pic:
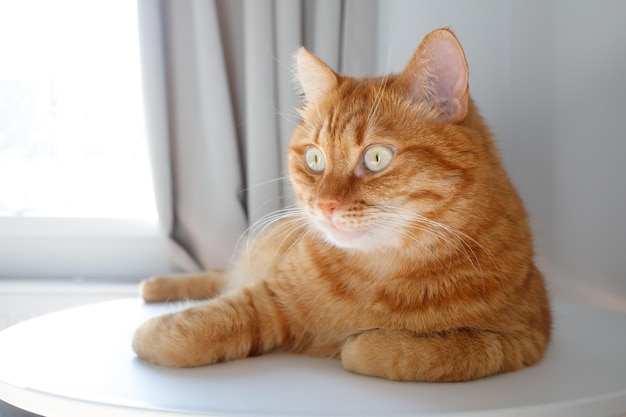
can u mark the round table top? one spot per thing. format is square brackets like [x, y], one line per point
[79, 362]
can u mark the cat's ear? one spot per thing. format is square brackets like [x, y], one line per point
[437, 73]
[316, 78]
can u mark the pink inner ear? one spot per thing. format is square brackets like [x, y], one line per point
[449, 70]
[437, 73]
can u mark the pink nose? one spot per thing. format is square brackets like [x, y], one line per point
[328, 207]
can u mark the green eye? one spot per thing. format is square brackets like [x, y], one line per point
[378, 157]
[315, 159]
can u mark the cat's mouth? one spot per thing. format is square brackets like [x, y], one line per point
[344, 232]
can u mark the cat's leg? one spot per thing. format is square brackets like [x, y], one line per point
[246, 322]
[176, 287]
[460, 355]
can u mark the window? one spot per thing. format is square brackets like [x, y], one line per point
[76, 195]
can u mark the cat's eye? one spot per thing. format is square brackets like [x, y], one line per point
[315, 159]
[378, 157]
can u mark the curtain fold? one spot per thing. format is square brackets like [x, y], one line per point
[262, 149]
[220, 99]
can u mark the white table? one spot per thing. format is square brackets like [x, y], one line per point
[79, 362]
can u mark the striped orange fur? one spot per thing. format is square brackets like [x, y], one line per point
[408, 255]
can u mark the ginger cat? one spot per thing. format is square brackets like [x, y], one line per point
[407, 257]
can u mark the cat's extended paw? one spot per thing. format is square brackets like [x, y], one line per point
[177, 287]
[163, 341]
[156, 289]
[148, 342]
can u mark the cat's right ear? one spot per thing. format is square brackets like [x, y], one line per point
[316, 78]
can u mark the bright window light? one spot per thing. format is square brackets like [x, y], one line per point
[72, 140]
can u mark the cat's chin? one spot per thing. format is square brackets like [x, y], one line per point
[344, 238]
[360, 240]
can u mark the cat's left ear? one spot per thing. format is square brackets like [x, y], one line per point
[316, 78]
[437, 73]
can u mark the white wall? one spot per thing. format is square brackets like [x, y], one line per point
[550, 78]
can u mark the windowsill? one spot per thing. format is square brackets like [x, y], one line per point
[72, 247]
[24, 299]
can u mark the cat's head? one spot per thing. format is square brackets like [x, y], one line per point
[376, 159]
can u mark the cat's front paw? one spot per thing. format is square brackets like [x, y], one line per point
[157, 289]
[389, 354]
[359, 357]
[162, 341]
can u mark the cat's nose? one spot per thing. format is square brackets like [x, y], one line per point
[328, 207]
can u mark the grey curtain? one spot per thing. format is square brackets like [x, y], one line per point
[220, 98]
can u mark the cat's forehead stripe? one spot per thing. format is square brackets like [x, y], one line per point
[345, 125]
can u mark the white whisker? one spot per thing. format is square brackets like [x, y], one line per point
[292, 219]
[298, 119]
[261, 184]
